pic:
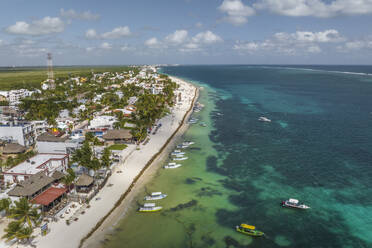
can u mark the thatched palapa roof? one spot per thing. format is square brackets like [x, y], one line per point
[31, 185]
[117, 134]
[48, 137]
[13, 148]
[58, 175]
[84, 180]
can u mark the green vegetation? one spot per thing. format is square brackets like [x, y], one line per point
[10, 162]
[69, 178]
[117, 147]
[31, 77]
[25, 218]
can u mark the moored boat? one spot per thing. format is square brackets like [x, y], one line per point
[172, 166]
[178, 153]
[249, 230]
[264, 119]
[149, 207]
[155, 196]
[180, 158]
[294, 203]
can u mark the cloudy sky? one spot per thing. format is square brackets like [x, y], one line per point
[185, 32]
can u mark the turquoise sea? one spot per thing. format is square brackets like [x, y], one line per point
[318, 149]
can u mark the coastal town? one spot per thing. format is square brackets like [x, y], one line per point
[71, 148]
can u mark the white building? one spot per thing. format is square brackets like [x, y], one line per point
[16, 95]
[102, 121]
[48, 163]
[23, 133]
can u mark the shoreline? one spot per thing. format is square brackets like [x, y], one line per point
[137, 165]
[118, 212]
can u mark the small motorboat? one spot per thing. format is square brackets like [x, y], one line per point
[188, 143]
[294, 203]
[264, 119]
[149, 208]
[172, 166]
[155, 196]
[249, 230]
[203, 124]
[180, 158]
[178, 154]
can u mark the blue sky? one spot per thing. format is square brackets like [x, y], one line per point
[99, 32]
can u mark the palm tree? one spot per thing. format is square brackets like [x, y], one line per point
[25, 213]
[16, 229]
[25, 233]
[5, 205]
[69, 178]
[12, 230]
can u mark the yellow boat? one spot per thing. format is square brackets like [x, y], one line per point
[149, 208]
[249, 230]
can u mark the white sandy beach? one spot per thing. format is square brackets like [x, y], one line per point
[63, 235]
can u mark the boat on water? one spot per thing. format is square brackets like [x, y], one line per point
[155, 196]
[264, 119]
[182, 146]
[188, 143]
[172, 166]
[180, 158]
[149, 208]
[294, 203]
[249, 230]
[203, 124]
[178, 153]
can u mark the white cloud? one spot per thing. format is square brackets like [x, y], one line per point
[106, 46]
[314, 49]
[47, 25]
[236, 12]
[89, 49]
[126, 48]
[356, 45]
[316, 8]
[72, 14]
[152, 42]
[330, 35]
[206, 37]
[292, 43]
[182, 42]
[178, 37]
[91, 34]
[116, 33]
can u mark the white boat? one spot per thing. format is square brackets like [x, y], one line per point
[180, 158]
[149, 207]
[264, 119]
[294, 203]
[188, 143]
[182, 146]
[178, 153]
[155, 196]
[172, 166]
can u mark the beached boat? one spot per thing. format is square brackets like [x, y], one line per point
[172, 166]
[294, 203]
[264, 119]
[249, 230]
[180, 158]
[155, 196]
[149, 207]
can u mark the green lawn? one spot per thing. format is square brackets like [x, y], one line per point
[117, 147]
[31, 77]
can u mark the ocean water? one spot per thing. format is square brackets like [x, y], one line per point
[318, 148]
